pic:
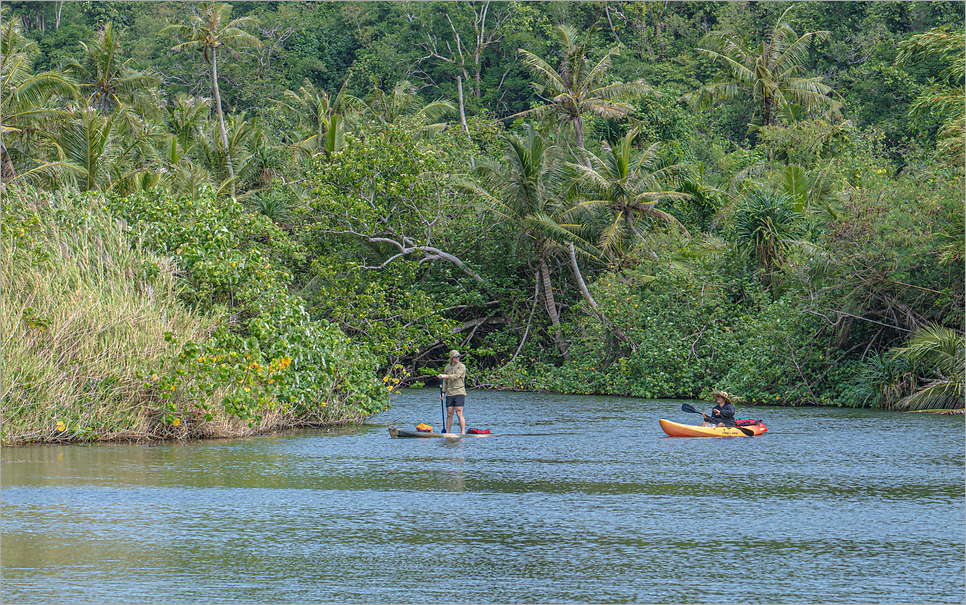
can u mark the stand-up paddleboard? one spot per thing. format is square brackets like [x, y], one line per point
[404, 434]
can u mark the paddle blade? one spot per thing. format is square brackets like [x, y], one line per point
[687, 407]
[748, 432]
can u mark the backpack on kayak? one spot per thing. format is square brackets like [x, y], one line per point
[478, 432]
[424, 428]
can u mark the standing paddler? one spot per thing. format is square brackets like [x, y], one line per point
[454, 381]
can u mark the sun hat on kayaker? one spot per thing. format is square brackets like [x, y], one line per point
[716, 393]
[454, 353]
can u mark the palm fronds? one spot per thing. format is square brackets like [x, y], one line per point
[937, 354]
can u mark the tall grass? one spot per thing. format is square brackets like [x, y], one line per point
[83, 316]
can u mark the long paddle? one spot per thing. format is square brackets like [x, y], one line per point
[687, 407]
[442, 405]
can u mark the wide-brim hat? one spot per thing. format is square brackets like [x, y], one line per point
[716, 393]
[454, 353]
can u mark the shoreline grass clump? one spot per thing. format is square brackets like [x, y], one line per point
[84, 315]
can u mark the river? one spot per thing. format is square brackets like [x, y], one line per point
[575, 500]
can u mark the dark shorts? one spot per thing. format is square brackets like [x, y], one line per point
[455, 400]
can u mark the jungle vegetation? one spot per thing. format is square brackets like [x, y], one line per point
[224, 218]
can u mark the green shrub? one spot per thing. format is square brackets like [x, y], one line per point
[264, 354]
[679, 334]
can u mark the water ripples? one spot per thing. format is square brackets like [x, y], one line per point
[577, 499]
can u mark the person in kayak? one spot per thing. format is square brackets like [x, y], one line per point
[722, 414]
[453, 377]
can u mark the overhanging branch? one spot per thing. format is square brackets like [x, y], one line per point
[406, 247]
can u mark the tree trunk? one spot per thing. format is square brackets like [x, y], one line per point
[580, 279]
[459, 91]
[579, 139]
[579, 133]
[60, 7]
[544, 273]
[221, 118]
[593, 303]
[536, 301]
[611, 22]
[7, 170]
[658, 30]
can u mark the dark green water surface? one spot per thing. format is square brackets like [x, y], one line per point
[576, 500]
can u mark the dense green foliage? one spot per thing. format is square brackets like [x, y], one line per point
[345, 191]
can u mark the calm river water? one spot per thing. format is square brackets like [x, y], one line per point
[576, 500]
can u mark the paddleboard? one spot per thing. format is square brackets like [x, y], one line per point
[404, 434]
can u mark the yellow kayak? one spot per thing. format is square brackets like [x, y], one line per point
[687, 430]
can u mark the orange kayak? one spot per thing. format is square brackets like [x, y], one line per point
[688, 430]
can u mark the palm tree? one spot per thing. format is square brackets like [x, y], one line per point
[623, 190]
[811, 194]
[936, 353]
[102, 151]
[220, 161]
[943, 98]
[771, 71]
[402, 101]
[27, 102]
[577, 87]
[882, 381]
[186, 117]
[111, 82]
[206, 31]
[521, 192]
[263, 161]
[322, 117]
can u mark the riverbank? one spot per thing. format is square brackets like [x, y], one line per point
[105, 339]
[152, 429]
[193, 427]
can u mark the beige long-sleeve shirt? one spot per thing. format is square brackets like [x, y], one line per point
[454, 383]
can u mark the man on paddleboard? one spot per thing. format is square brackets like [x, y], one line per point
[454, 377]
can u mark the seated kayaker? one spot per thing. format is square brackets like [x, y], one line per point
[722, 414]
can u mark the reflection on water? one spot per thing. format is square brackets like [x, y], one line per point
[576, 499]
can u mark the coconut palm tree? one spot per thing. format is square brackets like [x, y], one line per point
[402, 101]
[577, 87]
[102, 151]
[186, 116]
[623, 191]
[521, 191]
[263, 161]
[937, 354]
[945, 98]
[111, 83]
[207, 31]
[321, 116]
[28, 102]
[770, 71]
[220, 161]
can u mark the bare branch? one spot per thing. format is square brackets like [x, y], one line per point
[406, 247]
